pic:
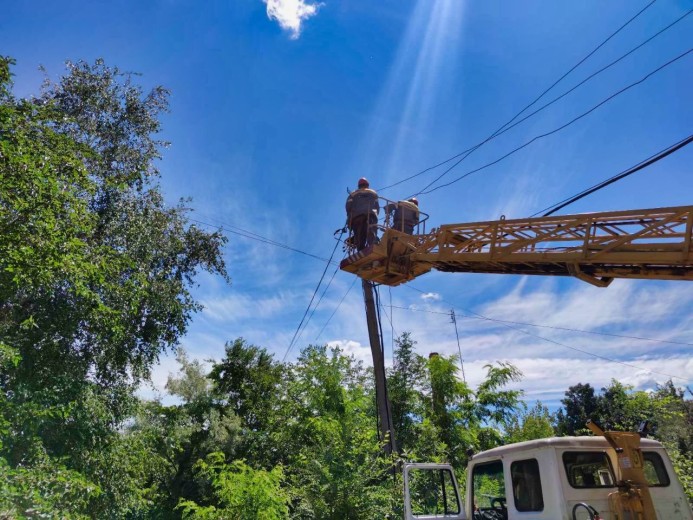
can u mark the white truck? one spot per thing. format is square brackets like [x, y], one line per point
[560, 478]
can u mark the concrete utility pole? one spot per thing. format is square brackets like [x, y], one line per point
[387, 429]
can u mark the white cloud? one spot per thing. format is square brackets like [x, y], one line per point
[237, 307]
[353, 348]
[290, 14]
[430, 296]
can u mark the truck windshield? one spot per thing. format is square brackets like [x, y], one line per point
[588, 469]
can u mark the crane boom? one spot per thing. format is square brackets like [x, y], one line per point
[594, 247]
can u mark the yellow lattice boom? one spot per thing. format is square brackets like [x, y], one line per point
[595, 247]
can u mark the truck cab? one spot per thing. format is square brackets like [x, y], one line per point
[567, 478]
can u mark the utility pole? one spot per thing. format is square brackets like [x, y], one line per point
[459, 349]
[387, 430]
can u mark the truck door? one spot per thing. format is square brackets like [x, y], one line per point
[430, 491]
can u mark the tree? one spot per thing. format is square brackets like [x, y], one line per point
[437, 416]
[247, 379]
[530, 423]
[95, 270]
[326, 424]
[193, 384]
[580, 405]
[242, 493]
[405, 395]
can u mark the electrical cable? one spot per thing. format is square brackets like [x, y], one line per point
[337, 307]
[500, 130]
[392, 330]
[318, 304]
[311, 300]
[254, 236]
[592, 353]
[543, 107]
[568, 329]
[382, 355]
[459, 348]
[642, 164]
[392, 327]
[671, 376]
[558, 129]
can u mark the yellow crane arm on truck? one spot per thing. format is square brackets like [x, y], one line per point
[594, 247]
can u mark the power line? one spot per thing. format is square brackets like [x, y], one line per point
[568, 329]
[588, 352]
[337, 307]
[543, 107]
[319, 301]
[311, 301]
[459, 348]
[259, 238]
[558, 129]
[392, 327]
[501, 130]
[643, 164]
[510, 326]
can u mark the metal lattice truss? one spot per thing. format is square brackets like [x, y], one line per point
[595, 247]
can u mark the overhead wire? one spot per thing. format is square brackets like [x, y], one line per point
[642, 164]
[543, 107]
[605, 358]
[259, 238]
[291, 344]
[254, 236]
[322, 295]
[553, 327]
[388, 411]
[502, 128]
[390, 320]
[337, 307]
[558, 129]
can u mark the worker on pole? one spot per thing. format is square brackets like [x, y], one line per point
[362, 210]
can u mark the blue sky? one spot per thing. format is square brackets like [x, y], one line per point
[278, 106]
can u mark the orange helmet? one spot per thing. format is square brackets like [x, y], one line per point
[363, 182]
[414, 200]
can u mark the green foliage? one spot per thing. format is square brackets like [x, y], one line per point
[240, 492]
[96, 274]
[95, 279]
[580, 405]
[334, 459]
[193, 384]
[44, 489]
[441, 416]
[683, 465]
[530, 423]
[247, 377]
[403, 381]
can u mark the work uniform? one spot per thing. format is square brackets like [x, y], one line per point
[406, 216]
[362, 209]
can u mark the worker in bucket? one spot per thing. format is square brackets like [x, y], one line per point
[362, 210]
[406, 214]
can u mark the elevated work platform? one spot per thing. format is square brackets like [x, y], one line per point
[387, 262]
